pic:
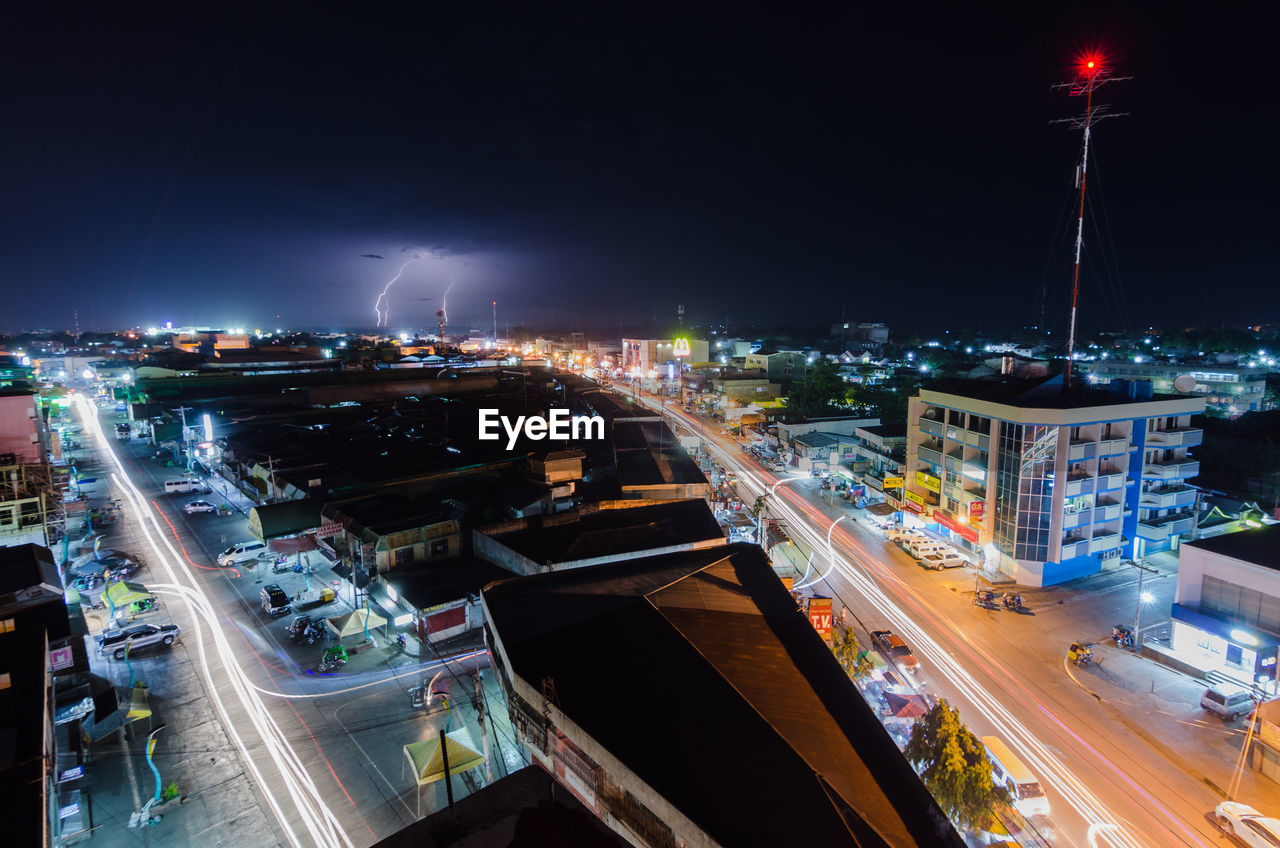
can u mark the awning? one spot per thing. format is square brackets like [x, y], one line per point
[427, 763]
[905, 706]
[293, 544]
[881, 509]
[288, 518]
[123, 593]
[355, 622]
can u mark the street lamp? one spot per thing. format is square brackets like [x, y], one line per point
[143, 816]
[1143, 598]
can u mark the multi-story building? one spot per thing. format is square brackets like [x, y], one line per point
[640, 356]
[1226, 390]
[780, 365]
[1045, 487]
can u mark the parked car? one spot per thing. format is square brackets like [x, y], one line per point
[116, 642]
[895, 650]
[943, 559]
[1227, 701]
[274, 601]
[243, 552]
[1247, 824]
[199, 506]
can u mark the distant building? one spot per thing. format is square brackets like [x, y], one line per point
[1227, 391]
[641, 356]
[780, 365]
[589, 659]
[21, 433]
[1047, 488]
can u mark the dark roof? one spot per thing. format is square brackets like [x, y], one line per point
[763, 709]
[286, 518]
[518, 811]
[425, 586]
[27, 566]
[816, 440]
[1260, 546]
[388, 513]
[22, 719]
[1039, 393]
[573, 536]
[894, 430]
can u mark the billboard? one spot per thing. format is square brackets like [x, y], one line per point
[930, 482]
[681, 348]
[977, 509]
[893, 482]
[912, 496]
[820, 616]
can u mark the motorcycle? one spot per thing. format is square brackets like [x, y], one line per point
[281, 566]
[1011, 601]
[1122, 635]
[401, 642]
[985, 598]
[334, 658]
[1079, 654]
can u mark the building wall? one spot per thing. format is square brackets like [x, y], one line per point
[19, 427]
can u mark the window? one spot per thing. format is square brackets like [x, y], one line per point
[955, 418]
[404, 556]
[439, 547]
[8, 625]
[5, 682]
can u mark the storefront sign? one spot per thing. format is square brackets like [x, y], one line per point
[977, 509]
[893, 482]
[327, 530]
[914, 498]
[820, 616]
[60, 658]
[681, 348]
[955, 526]
[930, 482]
[913, 507]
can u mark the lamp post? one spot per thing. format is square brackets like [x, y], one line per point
[1143, 598]
[143, 817]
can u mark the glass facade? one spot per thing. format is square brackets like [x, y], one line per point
[1024, 490]
[1239, 604]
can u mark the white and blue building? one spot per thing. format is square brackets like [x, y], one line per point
[1045, 486]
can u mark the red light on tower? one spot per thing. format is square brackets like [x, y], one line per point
[1089, 65]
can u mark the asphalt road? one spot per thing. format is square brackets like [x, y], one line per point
[325, 751]
[1007, 672]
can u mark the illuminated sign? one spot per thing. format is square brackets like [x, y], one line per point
[893, 482]
[976, 510]
[208, 428]
[930, 482]
[956, 527]
[820, 616]
[681, 348]
[914, 498]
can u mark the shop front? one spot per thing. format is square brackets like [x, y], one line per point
[1211, 643]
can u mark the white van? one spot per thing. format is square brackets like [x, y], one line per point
[186, 484]
[1227, 701]
[242, 553]
[921, 548]
[1008, 771]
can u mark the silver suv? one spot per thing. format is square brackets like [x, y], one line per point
[116, 642]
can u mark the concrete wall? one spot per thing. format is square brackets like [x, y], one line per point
[19, 427]
[1194, 564]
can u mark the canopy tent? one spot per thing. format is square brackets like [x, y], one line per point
[906, 706]
[427, 762]
[287, 518]
[293, 545]
[122, 593]
[355, 622]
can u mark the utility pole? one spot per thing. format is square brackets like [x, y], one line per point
[1091, 74]
[495, 323]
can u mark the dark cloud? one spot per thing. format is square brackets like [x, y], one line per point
[370, 256]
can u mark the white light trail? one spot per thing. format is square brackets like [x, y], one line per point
[1102, 825]
[322, 825]
[383, 316]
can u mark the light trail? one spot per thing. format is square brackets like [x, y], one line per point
[377, 304]
[1103, 827]
[321, 824]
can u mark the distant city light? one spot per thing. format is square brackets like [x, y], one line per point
[1146, 597]
[1137, 359]
[87, 373]
[968, 350]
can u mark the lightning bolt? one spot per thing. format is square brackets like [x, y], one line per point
[444, 300]
[377, 304]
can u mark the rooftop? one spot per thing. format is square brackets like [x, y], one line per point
[1260, 546]
[718, 628]
[586, 535]
[1040, 393]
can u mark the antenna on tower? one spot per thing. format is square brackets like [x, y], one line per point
[495, 323]
[1091, 74]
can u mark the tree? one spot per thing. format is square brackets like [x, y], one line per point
[851, 657]
[822, 392]
[954, 766]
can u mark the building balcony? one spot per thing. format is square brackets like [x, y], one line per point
[1077, 451]
[1176, 469]
[1105, 542]
[932, 427]
[1179, 437]
[1109, 482]
[929, 455]
[1168, 497]
[1072, 520]
[1160, 529]
[1114, 447]
[1109, 512]
[1073, 546]
[1078, 486]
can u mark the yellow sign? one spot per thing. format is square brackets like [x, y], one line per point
[912, 496]
[681, 348]
[930, 482]
[893, 482]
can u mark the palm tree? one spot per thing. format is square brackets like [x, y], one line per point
[854, 660]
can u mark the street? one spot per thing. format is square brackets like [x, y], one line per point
[1114, 777]
[318, 757]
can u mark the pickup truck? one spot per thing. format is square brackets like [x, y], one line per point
[895, 650]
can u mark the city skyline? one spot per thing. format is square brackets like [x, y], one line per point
[605, 170]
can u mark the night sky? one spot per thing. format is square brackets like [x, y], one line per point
[588, 170]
